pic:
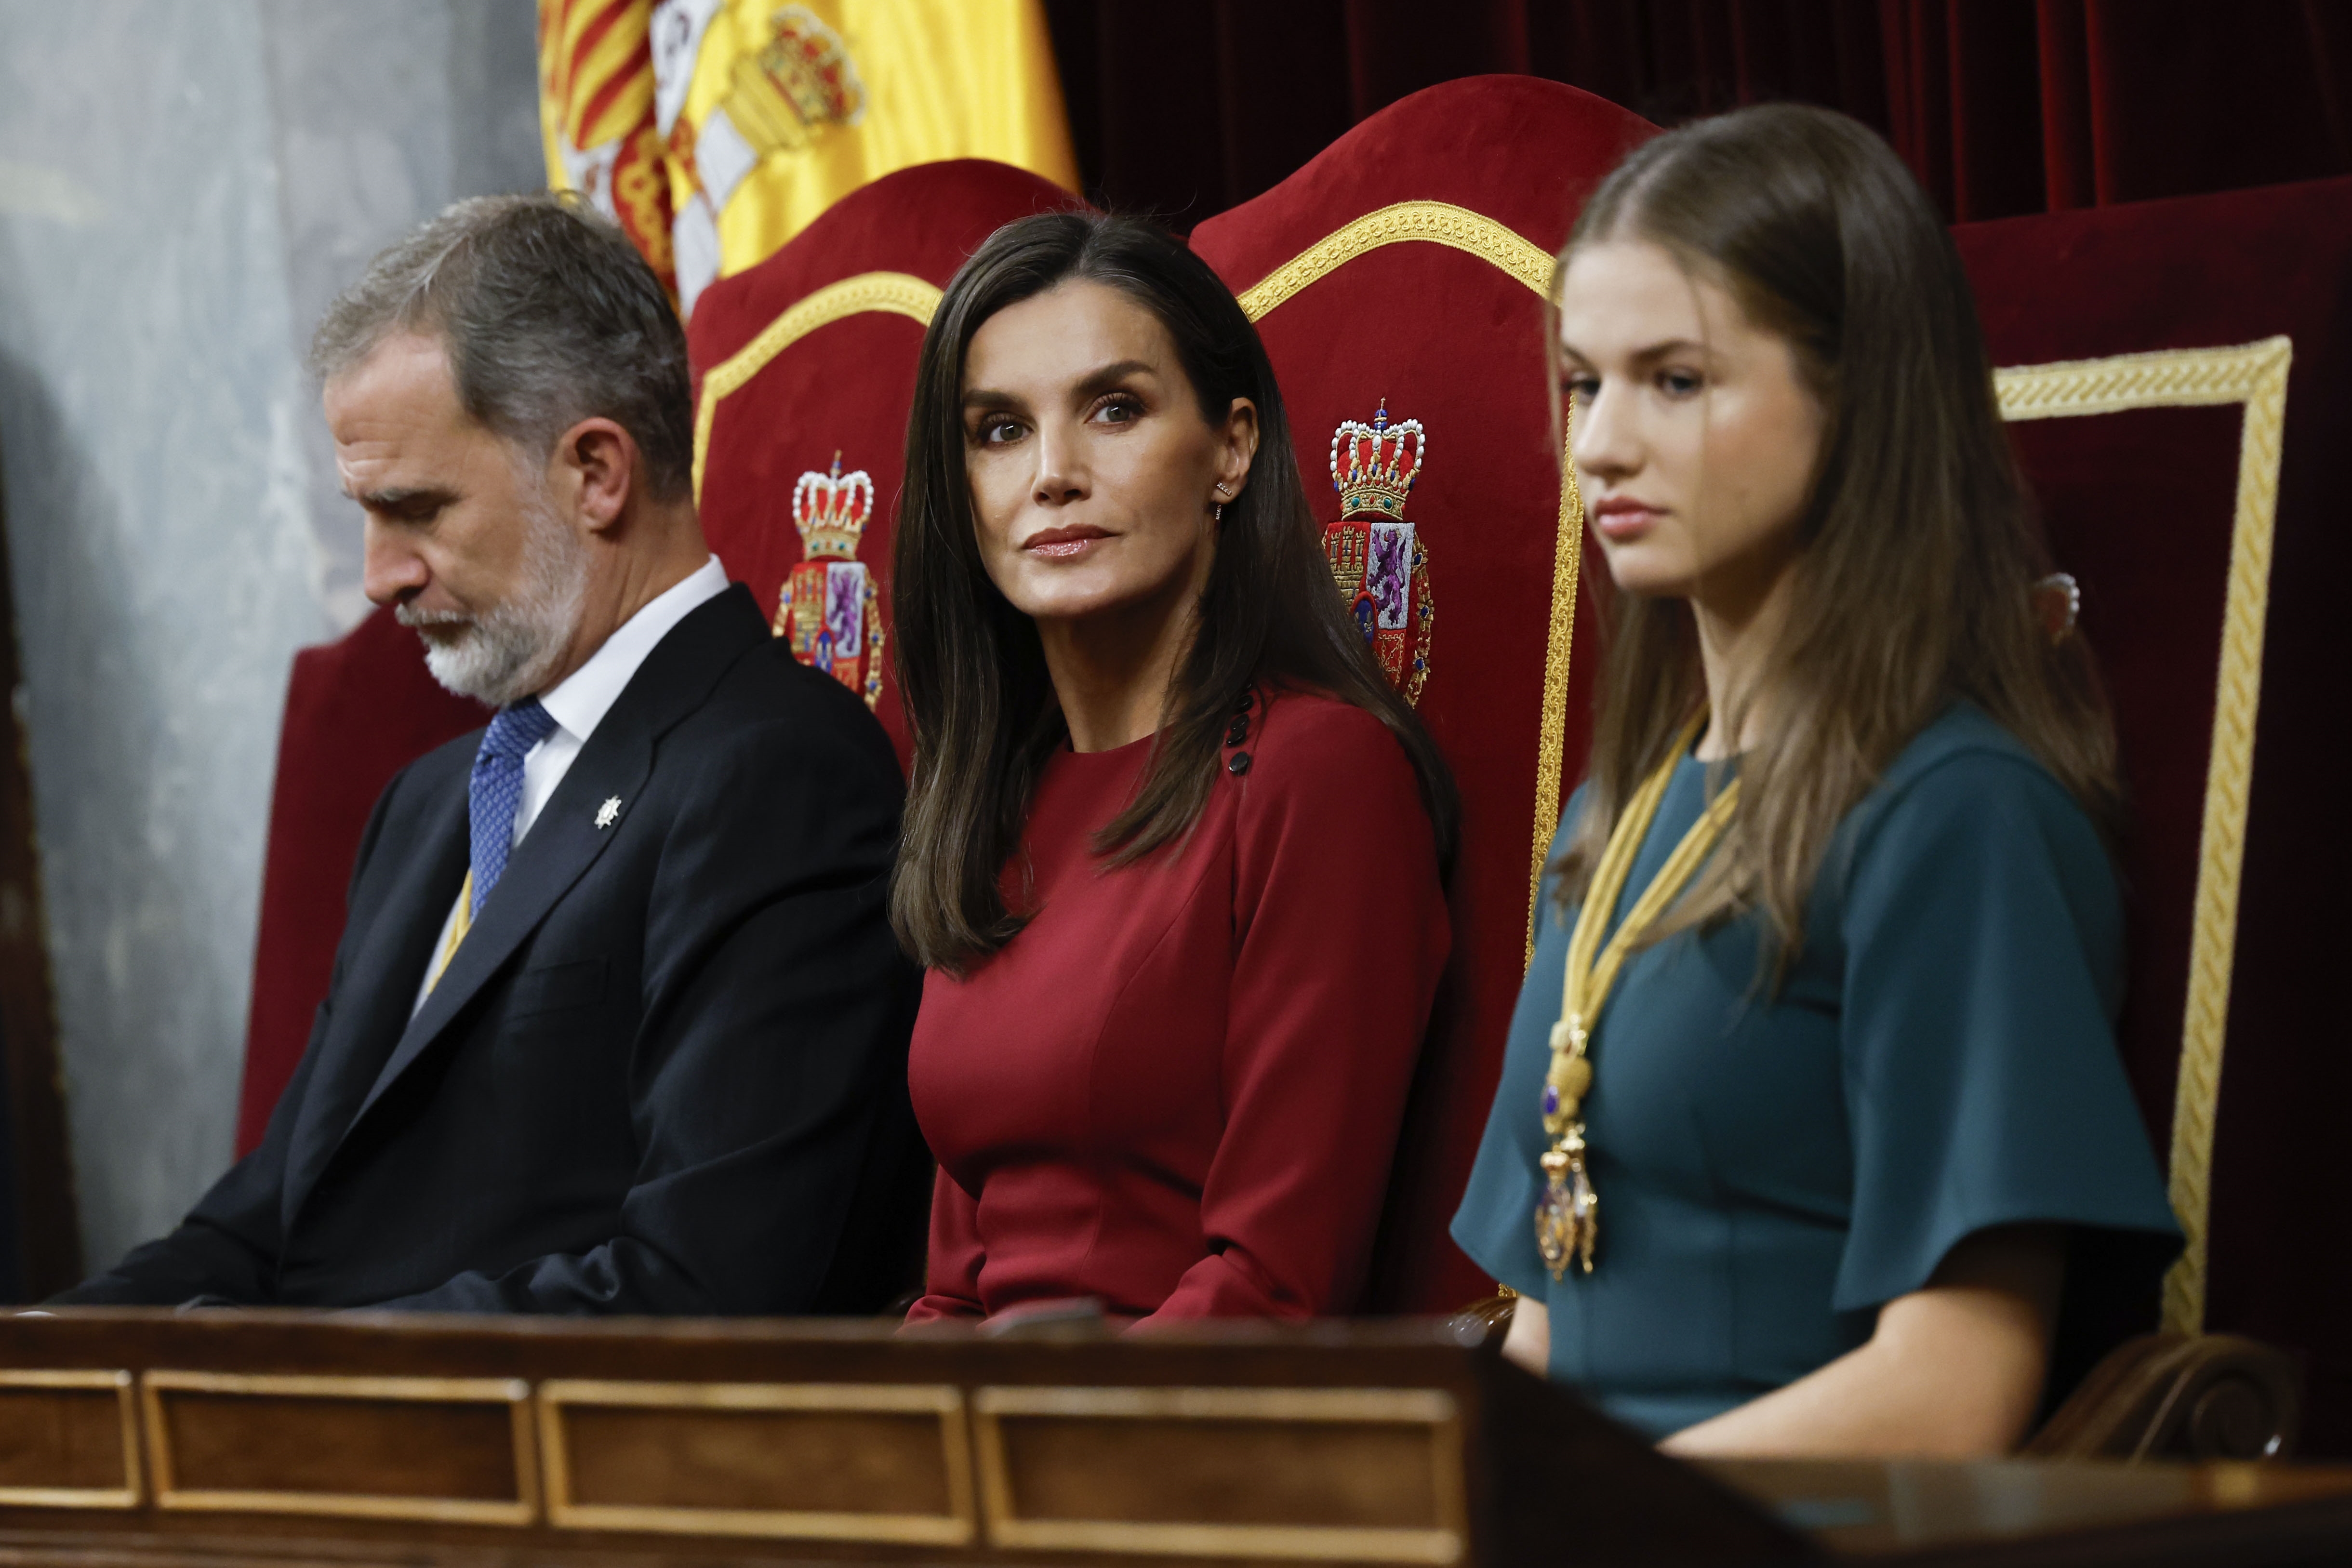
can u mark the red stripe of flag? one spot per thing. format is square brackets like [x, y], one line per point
[604, 24]
[640, 64]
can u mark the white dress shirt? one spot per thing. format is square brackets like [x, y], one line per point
[579, 702]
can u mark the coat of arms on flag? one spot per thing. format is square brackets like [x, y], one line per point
[713, 131]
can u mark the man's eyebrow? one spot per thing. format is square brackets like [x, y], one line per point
[405, 497]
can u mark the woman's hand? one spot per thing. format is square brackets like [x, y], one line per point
[1952, 1371]
[1528, 1343]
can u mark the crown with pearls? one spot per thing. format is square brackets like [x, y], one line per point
[1374, 465]
[831, 510]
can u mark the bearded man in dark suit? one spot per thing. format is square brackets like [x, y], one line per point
[617, 1023]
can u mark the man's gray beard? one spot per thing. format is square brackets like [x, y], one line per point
[506, 652]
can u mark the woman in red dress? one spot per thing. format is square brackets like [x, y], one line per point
[1174, 849]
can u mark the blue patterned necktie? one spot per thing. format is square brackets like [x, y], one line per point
[495, 792]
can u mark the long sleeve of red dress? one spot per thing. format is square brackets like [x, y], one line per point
[1179, 1089]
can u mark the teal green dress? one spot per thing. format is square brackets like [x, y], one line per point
[1774, 1166]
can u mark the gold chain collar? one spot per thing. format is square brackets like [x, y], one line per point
[1568, 1216]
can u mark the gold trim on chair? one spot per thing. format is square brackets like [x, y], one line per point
[2254, 374]
[1551, 739]
[1442, 223]
[897, 293]
[954, 1527]
[1436, 223]
[513, 1393]
[121, 1385]
[1432, 1409]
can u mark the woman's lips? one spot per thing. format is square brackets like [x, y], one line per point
[1621, 519]
[1061, 543]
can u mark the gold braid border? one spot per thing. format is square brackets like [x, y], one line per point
[1442, 223]
[2255, 376]
[1438, 223]
[900, 293]
[1552, 739]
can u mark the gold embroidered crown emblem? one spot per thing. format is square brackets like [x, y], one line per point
[1374, 465]
[801, 82]
[831, 608]
[1380, 560]
[831, 510]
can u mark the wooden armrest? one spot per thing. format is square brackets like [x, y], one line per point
[2159, 1396]
[1483, 1322]
[2181, 1397]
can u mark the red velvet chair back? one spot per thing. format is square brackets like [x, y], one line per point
[2195, 476]
[1407, 263]
[808, 358]
[357, 712]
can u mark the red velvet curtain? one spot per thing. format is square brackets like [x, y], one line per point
[1183, 108]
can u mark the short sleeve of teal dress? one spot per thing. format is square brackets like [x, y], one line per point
[1774, 1166]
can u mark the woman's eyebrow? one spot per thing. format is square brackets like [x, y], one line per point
[1666, 349]
[1093, 385]
[1101, 381]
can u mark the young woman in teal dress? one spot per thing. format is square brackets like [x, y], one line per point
[1813, 1079]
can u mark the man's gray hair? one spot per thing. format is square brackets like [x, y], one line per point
[548, 316]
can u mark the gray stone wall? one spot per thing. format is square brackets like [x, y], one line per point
[183, 187]
[384, 112]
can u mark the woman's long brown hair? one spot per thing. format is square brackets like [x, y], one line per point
[971, 674]
[1914, 584]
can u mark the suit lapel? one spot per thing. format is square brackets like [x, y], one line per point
[380, 984]
[565, 839]
[560, 845]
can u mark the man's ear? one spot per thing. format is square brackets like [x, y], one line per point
[598, 459]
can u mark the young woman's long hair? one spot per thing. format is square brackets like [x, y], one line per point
[1914, 584]
[971, 673]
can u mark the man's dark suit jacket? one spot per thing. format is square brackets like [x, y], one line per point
[665, 1072]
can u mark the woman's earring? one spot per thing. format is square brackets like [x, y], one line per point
[1217, 512]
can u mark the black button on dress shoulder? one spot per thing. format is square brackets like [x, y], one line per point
[1238, 764]
[1249, 701]
[1237, 732]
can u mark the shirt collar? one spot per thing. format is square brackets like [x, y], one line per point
[579, 702]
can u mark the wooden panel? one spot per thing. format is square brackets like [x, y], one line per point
[1332, 1443]
[2147, 1512]
[1362, 1474]
[875, 1462]
[68, 1439]
[458, 1450]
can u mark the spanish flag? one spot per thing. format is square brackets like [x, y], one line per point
[596, 117]
[713, 131]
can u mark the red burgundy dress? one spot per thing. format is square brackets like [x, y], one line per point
[1178, 1090]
